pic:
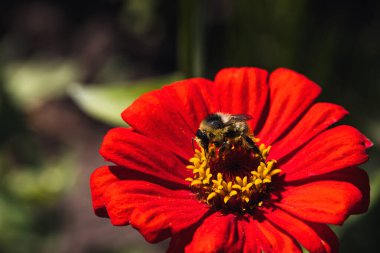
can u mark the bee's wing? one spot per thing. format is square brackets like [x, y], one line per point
[238, 118]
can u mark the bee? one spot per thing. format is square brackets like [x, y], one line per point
[223, 131]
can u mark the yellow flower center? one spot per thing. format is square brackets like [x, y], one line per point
[237, 180]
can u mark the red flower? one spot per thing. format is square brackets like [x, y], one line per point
[283, 200]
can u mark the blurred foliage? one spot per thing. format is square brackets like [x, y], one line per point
[32, 83]
[29, 202]
[91, 59]
[106, 102]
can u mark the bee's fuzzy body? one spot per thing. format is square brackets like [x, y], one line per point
[221, 130]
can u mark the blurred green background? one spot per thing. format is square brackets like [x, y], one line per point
[68, 68]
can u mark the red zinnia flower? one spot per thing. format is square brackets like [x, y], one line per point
[299, 176]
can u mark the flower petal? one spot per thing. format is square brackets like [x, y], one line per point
[291, 94]
[275, 241]
[155, 211]
[319, 117]
[368, 142]
[194, 99]
[218, 233]
[334, 149]
[136, 152]
[104, 176]
[155, 115]
[352, 175]
[329, 239]
[298, 229]
[254, 239]
[100, 179]
[179, 241]
[242, 90]
[322, 201]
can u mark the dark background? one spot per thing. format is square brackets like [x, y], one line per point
[67, 68]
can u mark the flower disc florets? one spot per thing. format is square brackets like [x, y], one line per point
[235, 180]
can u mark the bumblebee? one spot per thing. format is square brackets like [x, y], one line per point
[223, 130]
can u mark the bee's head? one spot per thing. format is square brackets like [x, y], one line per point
[213, 121]
[210, 130]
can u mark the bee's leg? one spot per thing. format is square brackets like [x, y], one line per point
[192, 143]
[222, 148]
[253, 146]
[209, 154]
[225, 145]
[250, 143]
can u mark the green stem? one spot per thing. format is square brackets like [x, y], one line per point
[191, 37]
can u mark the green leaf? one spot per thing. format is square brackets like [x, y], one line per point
[106, 102]
[31, 83]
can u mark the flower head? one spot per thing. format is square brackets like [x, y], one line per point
[268, 181]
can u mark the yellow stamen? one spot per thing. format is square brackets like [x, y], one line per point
[218, 190]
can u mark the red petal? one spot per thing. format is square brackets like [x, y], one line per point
[368, 142]
[100, 179]
[299, 230]
[334, 149]
[155, 211]
[179, 241]
[353, 175]
[319, 117]
[218, 233]
[139, 153]
[194, 99]
[242, 90]
[155, 115]
[322, 201]
[291, 94]
[104, 176]
[276, 241]
[329, 239]
[254, 239]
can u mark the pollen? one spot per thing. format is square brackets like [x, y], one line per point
[237, 181]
